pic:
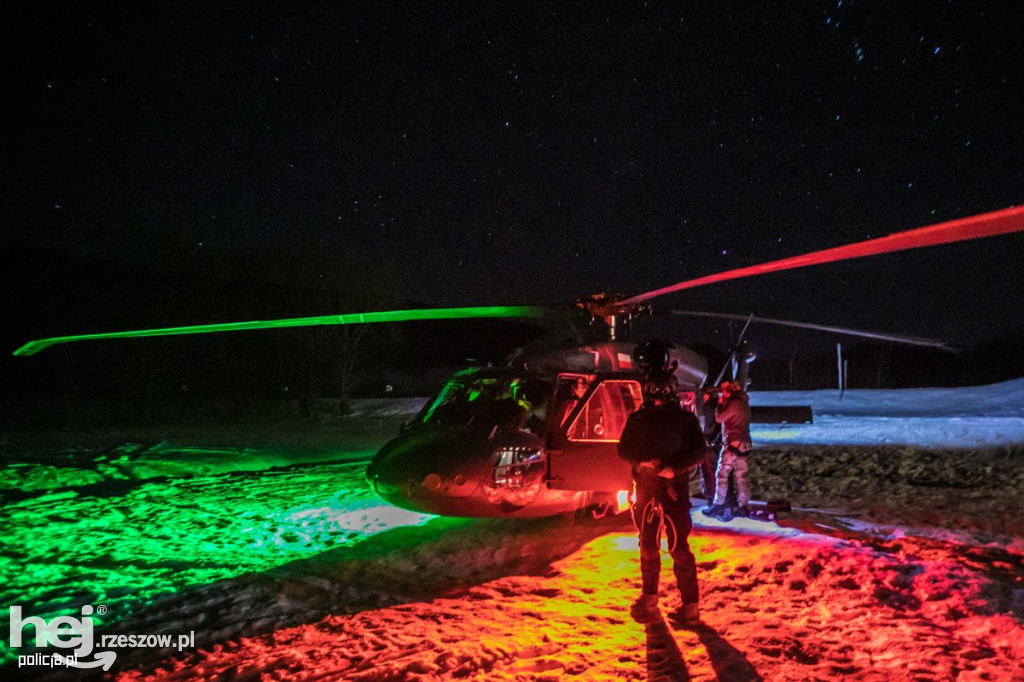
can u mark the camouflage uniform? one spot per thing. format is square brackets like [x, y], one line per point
[733, 414]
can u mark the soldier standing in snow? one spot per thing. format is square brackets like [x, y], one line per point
[662, 442]
[733, 413]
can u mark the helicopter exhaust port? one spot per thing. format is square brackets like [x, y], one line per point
[517, 475]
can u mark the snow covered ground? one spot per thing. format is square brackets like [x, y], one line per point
[263, 542]
[977, 416]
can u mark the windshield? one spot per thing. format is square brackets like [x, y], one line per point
[490, 401]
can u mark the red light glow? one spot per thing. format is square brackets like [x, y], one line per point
[777, 606]
[991, 224]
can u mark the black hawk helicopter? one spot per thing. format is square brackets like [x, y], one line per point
[537, 436]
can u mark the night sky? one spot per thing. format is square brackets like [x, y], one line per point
[512, 153]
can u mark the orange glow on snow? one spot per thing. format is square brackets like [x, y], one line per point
[777, 607]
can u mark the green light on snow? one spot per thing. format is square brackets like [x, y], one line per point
[33, 347]
[138, 540]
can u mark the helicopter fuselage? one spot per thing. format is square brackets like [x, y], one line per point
[520, 441]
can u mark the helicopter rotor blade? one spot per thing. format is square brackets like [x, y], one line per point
[990, 224]
[33, 347]
[881, 336]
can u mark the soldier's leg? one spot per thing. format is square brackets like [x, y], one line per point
[647, 518]
[684, 565]
[739, 471]
[725, 462]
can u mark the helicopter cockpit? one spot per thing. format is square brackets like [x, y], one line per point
[492, 401]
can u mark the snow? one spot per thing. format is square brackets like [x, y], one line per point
[979, 416]
[903, 560]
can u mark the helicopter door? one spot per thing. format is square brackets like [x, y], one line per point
[588, 457]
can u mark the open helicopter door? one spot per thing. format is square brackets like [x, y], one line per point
[583, 452]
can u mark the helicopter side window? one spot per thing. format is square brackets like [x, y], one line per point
[604, 415]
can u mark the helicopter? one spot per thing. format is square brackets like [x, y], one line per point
[538, 435]
[535, 437]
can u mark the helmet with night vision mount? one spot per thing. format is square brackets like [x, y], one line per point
[660, 385]
[653, 355]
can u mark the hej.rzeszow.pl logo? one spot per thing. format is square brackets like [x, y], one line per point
[65, 632]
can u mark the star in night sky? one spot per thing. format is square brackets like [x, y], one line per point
[505, 154]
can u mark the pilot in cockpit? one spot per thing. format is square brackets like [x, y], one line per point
[579, 389]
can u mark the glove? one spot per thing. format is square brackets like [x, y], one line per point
[648, 468]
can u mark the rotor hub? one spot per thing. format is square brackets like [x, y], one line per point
[608, 308]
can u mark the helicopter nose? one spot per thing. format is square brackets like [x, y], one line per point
[423, 466]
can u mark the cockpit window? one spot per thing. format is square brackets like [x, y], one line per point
[604, 415]
[521, 403]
